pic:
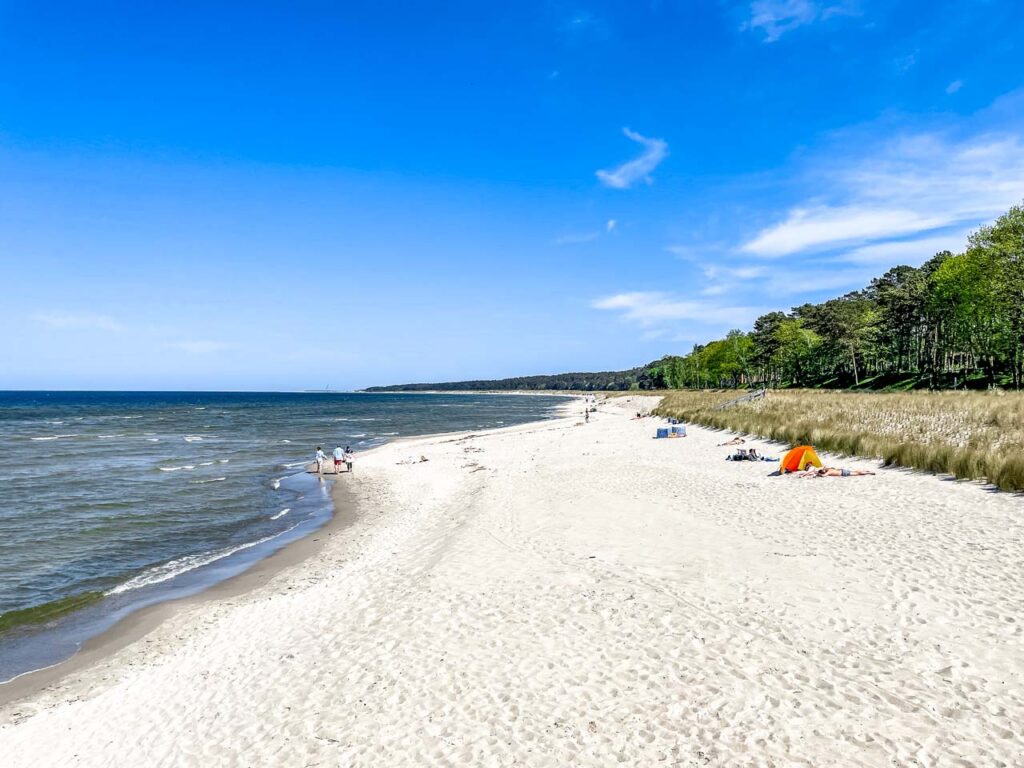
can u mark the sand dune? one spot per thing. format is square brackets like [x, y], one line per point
[565, 594]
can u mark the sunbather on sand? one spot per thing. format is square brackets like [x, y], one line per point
[747, 454]
[734, 441]
[836, 472]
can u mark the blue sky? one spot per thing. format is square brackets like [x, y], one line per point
[293, 195]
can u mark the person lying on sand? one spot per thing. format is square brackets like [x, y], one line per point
[747, 454]
[836, 472]
[734, 441]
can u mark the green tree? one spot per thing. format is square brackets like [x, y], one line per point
[765, 345]
[1003, 247]
[797, 346]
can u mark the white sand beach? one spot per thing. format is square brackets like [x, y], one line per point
[561, 594]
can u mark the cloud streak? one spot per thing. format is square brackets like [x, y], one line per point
[912, 187]
[774, 18]
[639, 168]
[913, 252]
[78, 320]
[649, 308]
[825, 226]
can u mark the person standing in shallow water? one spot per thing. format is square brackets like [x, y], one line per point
[321, 457]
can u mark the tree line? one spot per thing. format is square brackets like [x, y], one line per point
[955, 321]
[590, 382]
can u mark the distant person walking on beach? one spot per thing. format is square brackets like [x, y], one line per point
[321, 457]
[348, 458]
[586, 415]
[339, 459]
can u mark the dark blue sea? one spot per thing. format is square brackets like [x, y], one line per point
[116, 500]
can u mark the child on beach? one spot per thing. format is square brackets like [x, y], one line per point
[348, 458]
[321, 457]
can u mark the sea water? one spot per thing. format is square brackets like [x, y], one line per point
[114, 501]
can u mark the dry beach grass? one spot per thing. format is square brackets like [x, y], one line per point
[970, 435]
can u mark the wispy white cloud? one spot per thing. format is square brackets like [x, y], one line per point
[777, 17]
[913, 186]
[774, 18]
[80, 320]
[610, 225]
[722, 279]
[825, 226]
[715, 289]
[199, 347]
[640, 168]
[747, 273]
[649, 308]
[955, 86]
[913, 252]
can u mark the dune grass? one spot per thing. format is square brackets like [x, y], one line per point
[970, 435]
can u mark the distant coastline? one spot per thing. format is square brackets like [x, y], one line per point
[527, 392]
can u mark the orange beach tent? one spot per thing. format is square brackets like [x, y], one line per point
[798, 459]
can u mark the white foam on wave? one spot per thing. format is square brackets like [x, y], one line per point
[193, 438]
[108, 437]
[295, 464]
[275, 484]
[182, 565]
[175, 469]
[363, 434]
[55, 436]
[205, 464]
[223, 461]
[345, 418]
[153, 439]
[210, 480]
[286, 441]
[282, 513]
